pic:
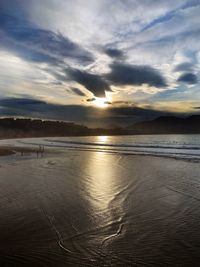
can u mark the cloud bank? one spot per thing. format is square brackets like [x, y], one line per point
[65, 52]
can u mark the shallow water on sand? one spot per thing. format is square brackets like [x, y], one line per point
[172, 146]
[92, 208]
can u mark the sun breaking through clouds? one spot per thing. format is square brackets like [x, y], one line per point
[60, 54]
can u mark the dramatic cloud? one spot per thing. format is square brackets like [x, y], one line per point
[37, 44]
[92, 82]
[88, 115]
[114, 53]
[34, 108]
[65, 52]
[19, 102]
[77, 91]
[183, 67]
[91, 99]
[188, 78]
[126, 74]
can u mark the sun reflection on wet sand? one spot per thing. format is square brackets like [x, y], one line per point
[101, 186]
[102, 172]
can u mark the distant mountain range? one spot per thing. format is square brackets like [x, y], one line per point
[20, 128]
[168, 125]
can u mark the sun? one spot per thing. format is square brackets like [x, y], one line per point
[101, 102]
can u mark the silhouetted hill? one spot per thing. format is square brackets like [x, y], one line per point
[14, 128]
[20, 128]
[168, 125]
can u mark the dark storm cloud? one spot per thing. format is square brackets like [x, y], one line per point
[114, 53]
[19, 102]
[77, 91]
[94, 83]
[38, 45]
[189, 78]
[121, 74]
[121, 102]
[40, 109]
[184, 67]
[126, 74]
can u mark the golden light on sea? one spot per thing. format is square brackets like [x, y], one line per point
[103, 139]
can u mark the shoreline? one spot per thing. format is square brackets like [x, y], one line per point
[95, 135]
[11, 150]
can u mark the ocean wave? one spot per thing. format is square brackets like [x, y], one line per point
[188, 151]
[189, 146]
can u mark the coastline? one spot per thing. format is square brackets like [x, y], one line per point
[108, 144]
[12, 150]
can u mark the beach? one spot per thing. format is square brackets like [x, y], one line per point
[73, 207]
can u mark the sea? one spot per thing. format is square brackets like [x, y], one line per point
[175, 146]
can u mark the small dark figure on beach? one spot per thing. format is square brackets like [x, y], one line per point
[40, 151]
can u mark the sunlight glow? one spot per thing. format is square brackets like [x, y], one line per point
[103, 139]
[101, 102]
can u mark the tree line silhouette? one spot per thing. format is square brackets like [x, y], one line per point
[21, 128]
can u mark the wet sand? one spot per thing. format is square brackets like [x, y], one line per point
[6, 151]
[9, 150]
[81, 208]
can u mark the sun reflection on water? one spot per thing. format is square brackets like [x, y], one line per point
[102, 185]
[101, 180]
[103, 139]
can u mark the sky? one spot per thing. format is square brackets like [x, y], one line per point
[99, 63]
